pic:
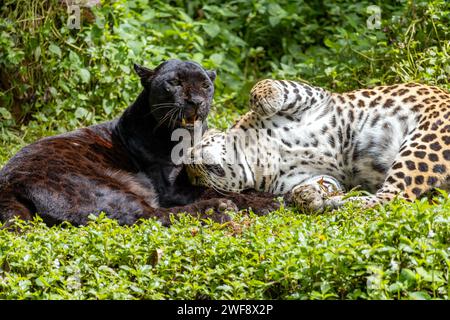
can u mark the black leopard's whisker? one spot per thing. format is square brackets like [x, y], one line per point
[174, 117]
[163, 107]
[164, 103]
[172, 120]
[160, 106]
[151, 112]
[166, 116]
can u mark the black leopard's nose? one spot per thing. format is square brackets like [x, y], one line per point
[196, 101]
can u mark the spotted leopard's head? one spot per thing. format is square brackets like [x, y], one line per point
[180, 92]
[218, 162]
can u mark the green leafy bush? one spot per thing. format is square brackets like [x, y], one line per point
[398, 252]
[66, 77]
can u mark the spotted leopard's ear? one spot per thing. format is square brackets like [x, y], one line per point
[144, 73]
[211, 74]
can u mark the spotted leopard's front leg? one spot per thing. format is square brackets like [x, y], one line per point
[317, 194]
[269, 97]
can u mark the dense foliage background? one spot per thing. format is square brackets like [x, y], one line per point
[54, 79]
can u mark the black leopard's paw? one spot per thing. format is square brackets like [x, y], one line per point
[266, 206]
[216, 209]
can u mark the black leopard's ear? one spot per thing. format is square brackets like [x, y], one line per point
[144, 73]
[211, 74]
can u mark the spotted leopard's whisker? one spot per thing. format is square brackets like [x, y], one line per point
[219, 191]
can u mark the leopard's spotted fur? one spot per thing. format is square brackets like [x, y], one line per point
[389, 140]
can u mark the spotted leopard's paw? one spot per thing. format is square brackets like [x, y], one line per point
[309, 198]
[266, 98]
[216, 209]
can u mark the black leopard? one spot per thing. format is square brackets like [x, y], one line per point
[122, 167]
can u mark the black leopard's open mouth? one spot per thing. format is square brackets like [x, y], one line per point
[188, 123]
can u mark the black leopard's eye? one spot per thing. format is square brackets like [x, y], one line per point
[215, 169]
[206, 85]
[174, 82]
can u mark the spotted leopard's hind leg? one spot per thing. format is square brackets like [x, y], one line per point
[423, 163]
[269, 97]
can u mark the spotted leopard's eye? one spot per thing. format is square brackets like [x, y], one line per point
[215, 169]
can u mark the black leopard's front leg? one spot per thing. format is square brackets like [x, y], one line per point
[214, 209]
[261, 203]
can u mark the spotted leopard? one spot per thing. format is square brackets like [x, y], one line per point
[392, 141]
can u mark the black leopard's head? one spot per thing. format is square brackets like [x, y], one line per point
[180, 92]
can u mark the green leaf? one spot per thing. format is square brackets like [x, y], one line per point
[125, 69]
[5, 114]
[276, 14]
[41, 282]
[274, 20]
[211, 29]
[419, 295]
[395, 287]
[216, 58]
[198, 57]
[329, 43]
[53, 91]
[81, 113]
[408, 275]
[85, 75]
[55, 49]
[37, 53]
